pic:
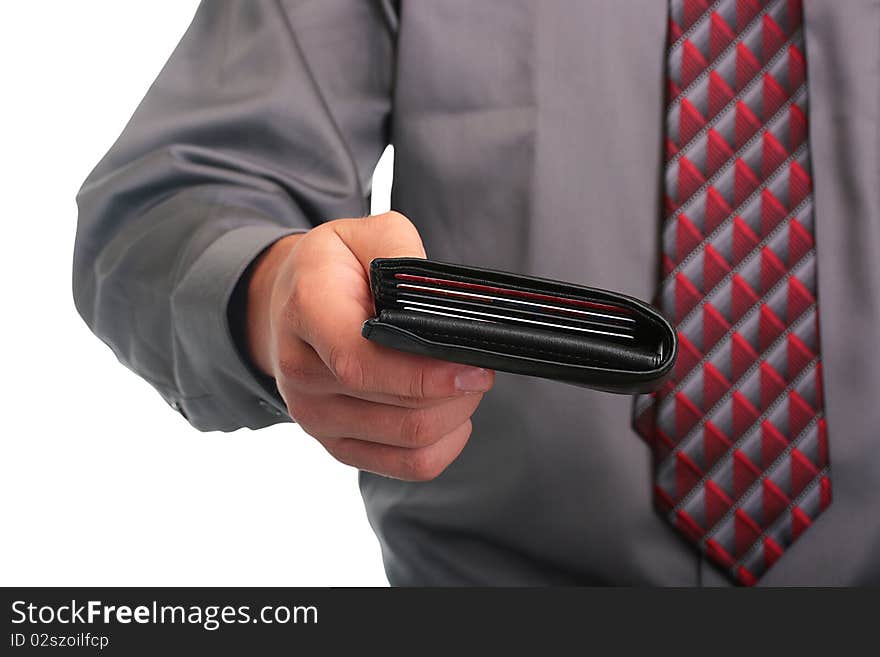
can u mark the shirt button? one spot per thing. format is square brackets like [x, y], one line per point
[266, 406]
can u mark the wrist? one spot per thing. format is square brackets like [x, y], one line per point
[260, 284]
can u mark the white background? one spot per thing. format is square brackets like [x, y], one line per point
[101, 483]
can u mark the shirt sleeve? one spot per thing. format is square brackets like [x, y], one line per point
[268, 118]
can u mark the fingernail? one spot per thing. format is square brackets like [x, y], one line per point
[473, 379]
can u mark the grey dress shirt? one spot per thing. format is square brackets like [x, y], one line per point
[527, 137]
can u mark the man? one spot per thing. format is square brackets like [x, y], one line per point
[220, 255]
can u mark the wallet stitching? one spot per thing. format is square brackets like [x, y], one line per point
[385, 292]
[492, 343]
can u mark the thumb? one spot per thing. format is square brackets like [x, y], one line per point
[388, 235]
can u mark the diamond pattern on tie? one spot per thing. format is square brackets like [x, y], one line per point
[739, 435]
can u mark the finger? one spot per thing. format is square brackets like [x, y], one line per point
[337, 415]
[421, 464]
[300, 371]
[299, 368]
[330, 309]
[365, 368]
[389, 235]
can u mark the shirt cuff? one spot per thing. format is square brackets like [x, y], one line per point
[229, 393]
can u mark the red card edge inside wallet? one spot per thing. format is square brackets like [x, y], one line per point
[520, 324]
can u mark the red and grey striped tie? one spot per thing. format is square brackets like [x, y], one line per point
[738, 432]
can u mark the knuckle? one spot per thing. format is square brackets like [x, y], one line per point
[398, 219]
[405, 401]
[421, 465]
[293, 370]
[340, 450]
[347, 368]
[401, 225]
[418, 428]
[299, 412]
[295, 304]
[418, 384]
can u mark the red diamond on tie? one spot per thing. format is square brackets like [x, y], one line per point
[739, 432]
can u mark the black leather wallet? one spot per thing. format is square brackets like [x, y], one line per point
[520, 324]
